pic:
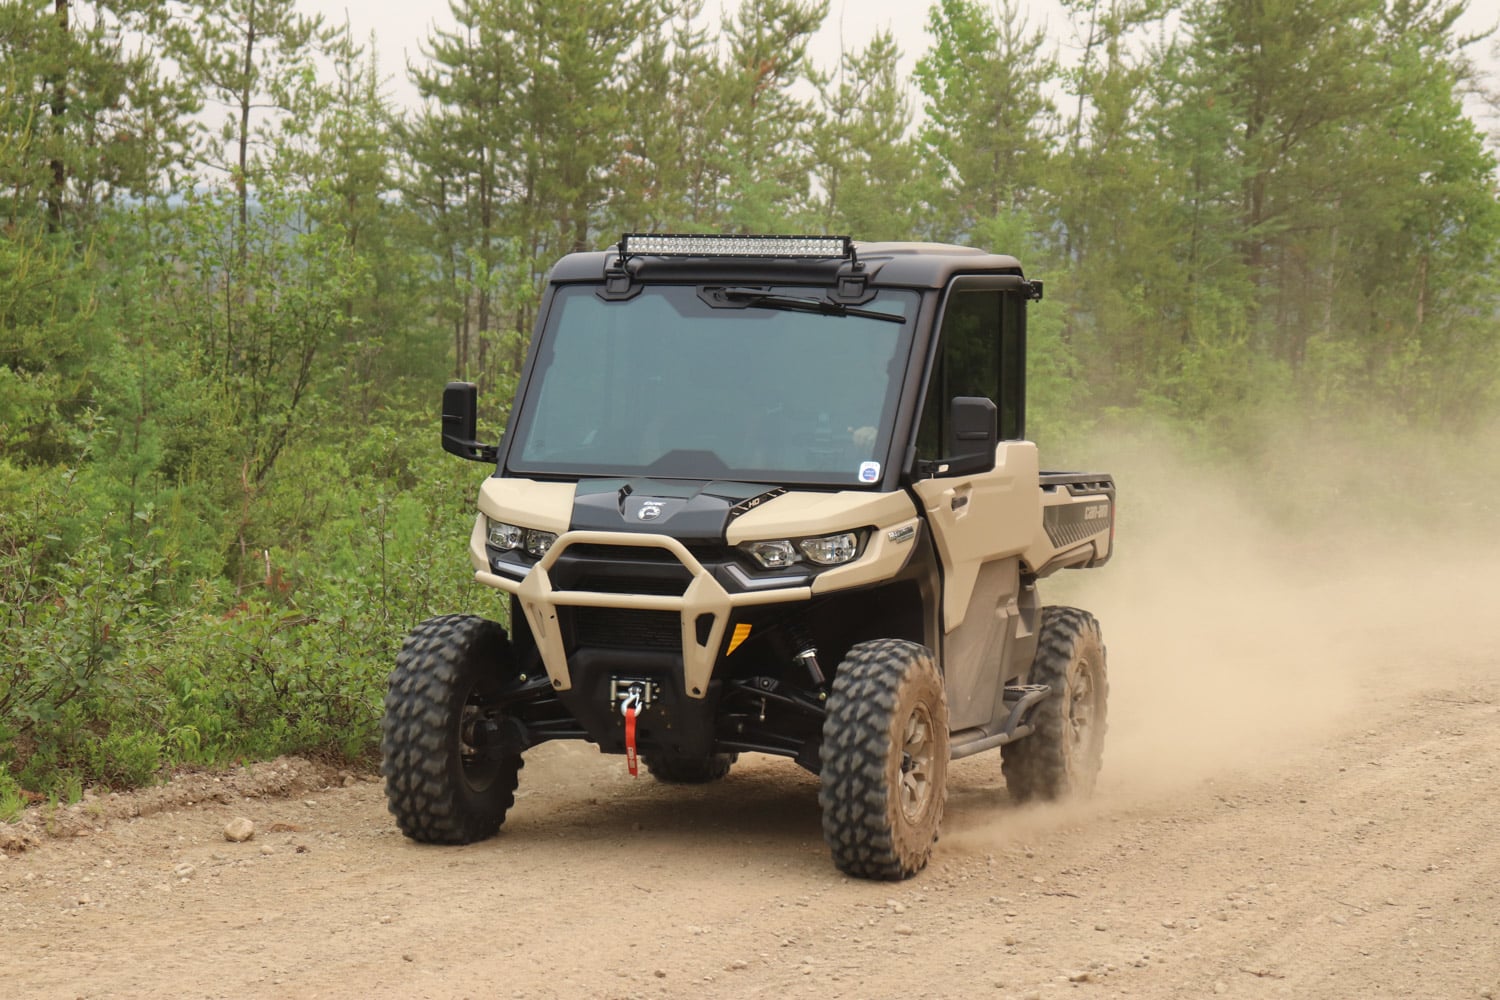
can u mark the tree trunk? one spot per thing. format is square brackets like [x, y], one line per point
[58, 189]
[241, 181]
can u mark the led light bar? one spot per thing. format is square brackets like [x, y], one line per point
[675, 245]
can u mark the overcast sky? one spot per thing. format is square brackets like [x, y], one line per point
[401, 28]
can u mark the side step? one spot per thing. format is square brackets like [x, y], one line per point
[1021, 698]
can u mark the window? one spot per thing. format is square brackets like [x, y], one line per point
[981, 351]
[666, 384]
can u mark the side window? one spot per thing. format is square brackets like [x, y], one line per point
[981, 352]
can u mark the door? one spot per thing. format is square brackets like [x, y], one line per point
[981, 522]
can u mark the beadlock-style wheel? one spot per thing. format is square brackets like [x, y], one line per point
[885, 760]
[1065, 751]
[449, 778]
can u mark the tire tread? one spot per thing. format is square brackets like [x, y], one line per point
[425, 789]
[1038, 766]
[857, 736]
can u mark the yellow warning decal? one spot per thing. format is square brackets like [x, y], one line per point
[741, 633]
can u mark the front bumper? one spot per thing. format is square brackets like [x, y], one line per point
[704, 608]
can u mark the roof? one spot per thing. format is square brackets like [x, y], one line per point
[908, 265]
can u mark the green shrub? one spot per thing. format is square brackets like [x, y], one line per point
[122, 758]
[12, 802]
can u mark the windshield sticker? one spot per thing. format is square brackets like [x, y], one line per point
[869, 472]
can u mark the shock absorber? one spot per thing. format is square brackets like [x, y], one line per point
[807, 654]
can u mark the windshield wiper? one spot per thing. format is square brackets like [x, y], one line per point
[740, 298]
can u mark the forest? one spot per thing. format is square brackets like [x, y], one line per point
[234, 276]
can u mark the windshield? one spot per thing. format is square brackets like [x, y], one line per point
[751, 387]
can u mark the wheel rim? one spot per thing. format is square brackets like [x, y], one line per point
[480, 763]
[917, 760]
[1081, 710]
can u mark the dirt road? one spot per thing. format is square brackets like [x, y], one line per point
[1299, 801]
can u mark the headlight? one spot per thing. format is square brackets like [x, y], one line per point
[508, 537]
[505, 536]
[538, 542]
[772, 555]
[825, 550]
[830, 550]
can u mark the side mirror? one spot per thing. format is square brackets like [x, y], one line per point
[460, 423]
[973, 435]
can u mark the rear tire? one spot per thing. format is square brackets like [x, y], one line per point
[677, 770]
[885, 760]
[1065, 751]
[442, 785]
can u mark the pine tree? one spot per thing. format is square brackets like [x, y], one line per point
[255, 59]
[989, 119]
[764, 131]
[1350, 172]
[86, 116]
[869, 172]
[1122, 213]
[664, 176]
[531, 110]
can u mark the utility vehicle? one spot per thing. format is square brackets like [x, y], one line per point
[770, 495]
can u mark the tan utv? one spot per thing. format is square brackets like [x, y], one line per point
[772, 495]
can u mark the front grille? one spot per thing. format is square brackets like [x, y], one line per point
[630, 585]
[625, 573]
[622, 628]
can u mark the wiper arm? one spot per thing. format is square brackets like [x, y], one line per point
[742, 297]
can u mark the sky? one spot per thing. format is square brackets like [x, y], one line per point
[401, 27]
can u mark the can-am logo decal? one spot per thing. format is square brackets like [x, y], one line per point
[650, 510]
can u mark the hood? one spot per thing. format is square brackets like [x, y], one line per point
[688, 511]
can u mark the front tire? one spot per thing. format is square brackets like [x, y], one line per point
[448, 780]
[885, 760]
[1065, 751]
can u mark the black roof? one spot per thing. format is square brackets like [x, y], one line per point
[906, 265]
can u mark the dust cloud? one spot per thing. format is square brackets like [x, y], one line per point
[1255, 606]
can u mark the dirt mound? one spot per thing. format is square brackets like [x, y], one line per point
[284, 777]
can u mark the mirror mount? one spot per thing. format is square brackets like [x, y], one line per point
[460, 423]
